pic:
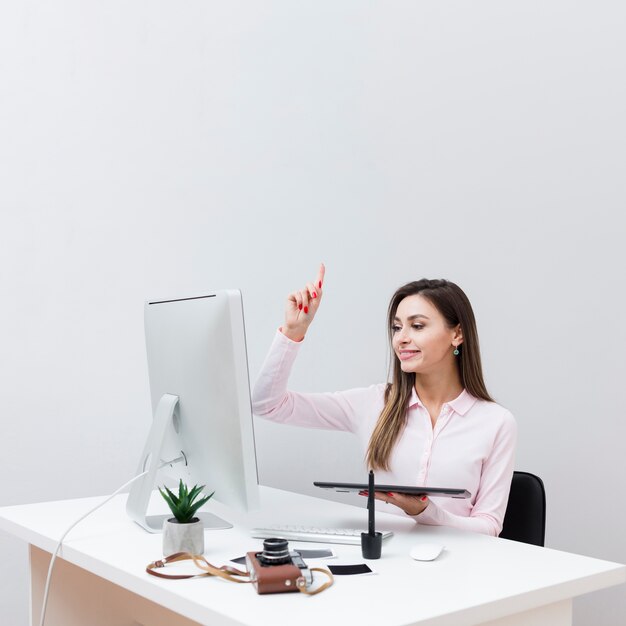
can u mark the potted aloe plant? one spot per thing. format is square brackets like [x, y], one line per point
[184, 532]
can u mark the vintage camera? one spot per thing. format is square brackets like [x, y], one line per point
[276, 569]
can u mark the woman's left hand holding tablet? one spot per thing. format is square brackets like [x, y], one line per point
[411, 505]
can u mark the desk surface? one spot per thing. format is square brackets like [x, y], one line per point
[476, 579]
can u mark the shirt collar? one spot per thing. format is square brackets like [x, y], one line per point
[414, 399]
[461, 404]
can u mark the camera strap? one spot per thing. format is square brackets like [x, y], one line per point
[225, 571]
[229, 573]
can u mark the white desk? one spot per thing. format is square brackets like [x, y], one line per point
[477, 580]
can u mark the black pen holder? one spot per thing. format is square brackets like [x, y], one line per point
[371, 545]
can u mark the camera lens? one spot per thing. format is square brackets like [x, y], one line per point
[275, 552]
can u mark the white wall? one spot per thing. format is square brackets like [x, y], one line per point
[156, 147]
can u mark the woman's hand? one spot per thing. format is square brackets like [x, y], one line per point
[411, 505]
[302, 306]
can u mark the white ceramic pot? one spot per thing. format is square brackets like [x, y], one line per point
[179, 537]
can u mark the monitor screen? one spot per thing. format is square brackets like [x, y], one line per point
[202, 429]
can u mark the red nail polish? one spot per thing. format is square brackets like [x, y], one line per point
[300, 307]
[390, 494]
[423, 498]
[306, 309]
[319, 284]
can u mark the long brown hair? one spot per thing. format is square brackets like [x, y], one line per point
[450, 300]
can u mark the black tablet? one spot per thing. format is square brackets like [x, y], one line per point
[444, 492]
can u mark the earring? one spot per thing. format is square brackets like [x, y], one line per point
[456, 351]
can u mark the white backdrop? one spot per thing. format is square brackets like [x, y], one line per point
[158, 147]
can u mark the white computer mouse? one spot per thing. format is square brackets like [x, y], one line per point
[426, 551]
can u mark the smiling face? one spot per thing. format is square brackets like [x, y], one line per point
[421, 338]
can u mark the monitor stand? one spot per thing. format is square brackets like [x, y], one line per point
[151, 461]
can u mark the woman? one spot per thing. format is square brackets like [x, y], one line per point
[433, 425]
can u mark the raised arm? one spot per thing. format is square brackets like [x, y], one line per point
[271, 398]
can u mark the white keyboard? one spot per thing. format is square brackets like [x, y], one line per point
[310, 533]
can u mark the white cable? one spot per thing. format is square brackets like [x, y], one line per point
[54, 556]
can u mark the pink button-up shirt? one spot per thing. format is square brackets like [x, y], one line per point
[471, 446]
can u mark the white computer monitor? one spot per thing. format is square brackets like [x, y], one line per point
[202, 428]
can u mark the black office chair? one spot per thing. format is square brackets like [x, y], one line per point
[525, 517]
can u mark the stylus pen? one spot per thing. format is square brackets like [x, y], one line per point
[370, 505]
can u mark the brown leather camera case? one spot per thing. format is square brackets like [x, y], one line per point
[273, 579]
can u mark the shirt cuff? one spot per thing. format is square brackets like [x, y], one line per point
[280, 332]
[431, 515]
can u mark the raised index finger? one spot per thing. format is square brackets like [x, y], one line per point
[320, 276]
